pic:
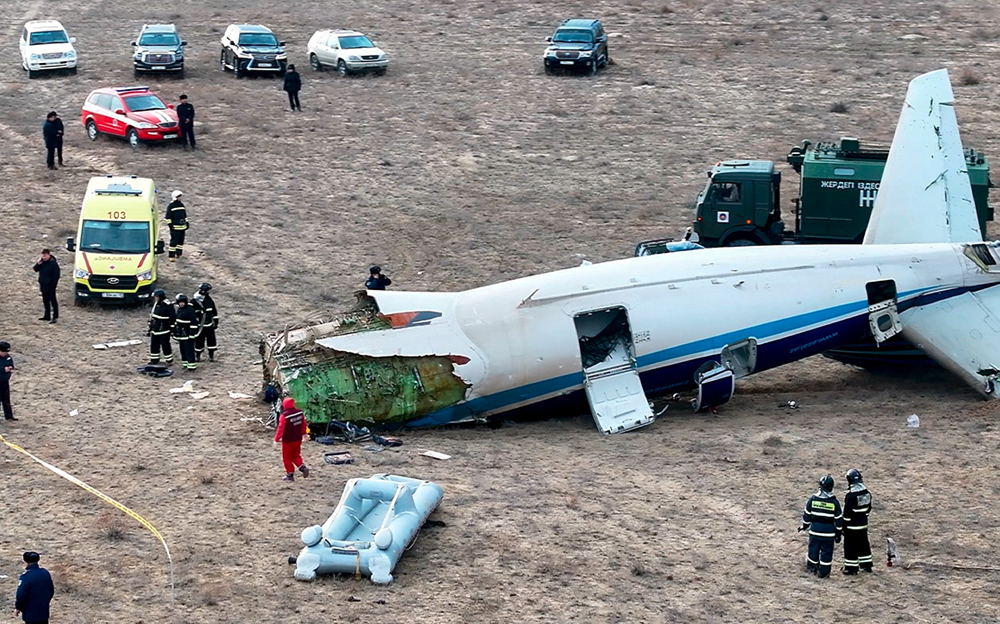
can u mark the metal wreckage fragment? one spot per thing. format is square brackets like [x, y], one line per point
[336, 385]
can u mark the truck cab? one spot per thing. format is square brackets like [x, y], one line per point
[740, 205]
[838, 184]
[118, 236]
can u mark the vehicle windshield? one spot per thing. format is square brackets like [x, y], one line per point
[48, 36]
[258, 39]
[573, 36]
[115, 236]
[146, 102]
[159, 39]
[355, 41]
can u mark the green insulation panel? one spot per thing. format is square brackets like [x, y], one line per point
[378, 391]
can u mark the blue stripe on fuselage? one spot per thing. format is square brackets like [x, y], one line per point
[672, 374]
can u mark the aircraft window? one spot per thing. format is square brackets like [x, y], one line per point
[728, 192]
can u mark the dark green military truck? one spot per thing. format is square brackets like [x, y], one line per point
[838, 183]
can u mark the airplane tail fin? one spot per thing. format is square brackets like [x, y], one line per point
[925, 195]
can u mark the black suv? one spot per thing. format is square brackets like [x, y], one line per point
[253, 49]
[577, 44]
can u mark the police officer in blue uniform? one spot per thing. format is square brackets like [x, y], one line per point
[34, 592]
[857, 506]
[823, 518]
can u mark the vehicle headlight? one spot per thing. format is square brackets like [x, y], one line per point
[281, 57]
[36, 57]
[353, 59]
[81, 274]
[586, 52]
[145, 277]
[146, 125]
[70, 54]
[550, 52]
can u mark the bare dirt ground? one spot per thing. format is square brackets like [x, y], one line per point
[463, 166]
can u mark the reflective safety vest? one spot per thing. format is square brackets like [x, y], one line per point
[823, 517]
[857, 506]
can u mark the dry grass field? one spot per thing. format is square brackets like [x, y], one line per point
[463, 166]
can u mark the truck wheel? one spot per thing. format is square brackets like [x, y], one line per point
[594, 66]
[342, 68]
[742, 241]
[92, 132]
[132, 136]
[314, 63]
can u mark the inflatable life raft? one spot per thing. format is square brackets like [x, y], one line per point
[374, 522]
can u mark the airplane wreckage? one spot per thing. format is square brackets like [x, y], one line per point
[618, 331]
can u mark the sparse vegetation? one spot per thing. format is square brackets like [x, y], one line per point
[111, 526]
[969, 78]
[839, 107]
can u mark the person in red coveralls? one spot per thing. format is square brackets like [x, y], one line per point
[292, 428]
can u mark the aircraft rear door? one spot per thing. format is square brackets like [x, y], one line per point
[883, 317]
[611, 380]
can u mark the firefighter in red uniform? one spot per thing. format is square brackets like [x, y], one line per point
[292, 428]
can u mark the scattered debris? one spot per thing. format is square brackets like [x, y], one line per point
[199, 395]
[374, 448]
[187, 387]
[239, 395]
[913, 421]
[434, 524]
[891, 552]
[435, 455]
[370, 529]
[154, 370]
[338, 457]
[353, 599]
[789, 404]
[118, 343]
[913, 37]
[386, 441]
[74, 413]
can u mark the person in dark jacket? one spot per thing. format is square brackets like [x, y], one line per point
[292, 429]
[293, 84]
[161, 321]
[48, 279]
[184, 331]
[34, 592]
[823, 519]
[857, 506]
[178, 223]
[52, 130]
[185, 115]
[209, 323]
[6, 368]
[376, 281]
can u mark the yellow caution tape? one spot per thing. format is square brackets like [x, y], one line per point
[101, 495]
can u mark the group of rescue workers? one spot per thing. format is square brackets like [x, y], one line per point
[827, 524]
[192, 322]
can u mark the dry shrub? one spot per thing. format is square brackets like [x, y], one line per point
[839, 107]
[638, 569]
[969, 78]
[773, 441]
[111, 526]
[212, 594]
[666, 10]
[207, 479]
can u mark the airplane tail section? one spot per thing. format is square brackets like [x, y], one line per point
[925, 195]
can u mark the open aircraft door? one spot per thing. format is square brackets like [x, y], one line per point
[883, 317]
[611, 380]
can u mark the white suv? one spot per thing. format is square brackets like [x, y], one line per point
[347, 50]
[45, 45]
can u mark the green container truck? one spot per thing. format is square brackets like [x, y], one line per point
[838, 183]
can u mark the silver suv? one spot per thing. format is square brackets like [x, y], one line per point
[158, 48]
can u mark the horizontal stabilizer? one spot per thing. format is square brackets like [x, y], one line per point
[925, 195]
[962, 334]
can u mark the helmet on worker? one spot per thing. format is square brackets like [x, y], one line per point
[181, 298]
[853, 476]
[826, 483]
